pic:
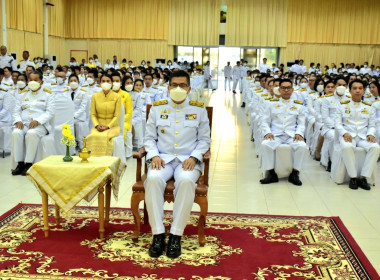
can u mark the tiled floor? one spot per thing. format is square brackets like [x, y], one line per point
[235, 187]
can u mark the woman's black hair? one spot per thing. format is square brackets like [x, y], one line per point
[124, 80]
[73, 75]
[137, 80]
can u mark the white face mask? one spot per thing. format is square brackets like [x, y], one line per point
[276, 91]
[106, 86]
[128, 88]
[90, 81]
[303, 85]
[155, 82]
[47, 71]
[33, 85]
[68, 74]
[320, 88]
[340, 90]
[74, 85]
[365, 66]
[178, 94]
[161, 80]
[116, 86]
[21, 84]
[91, 60]
[257, 83]
[275, 76]
[60, 81]
[254, 75]
[377, 69]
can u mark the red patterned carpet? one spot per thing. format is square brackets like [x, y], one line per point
[238, 247]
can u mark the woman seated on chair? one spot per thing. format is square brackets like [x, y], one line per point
[105, 113]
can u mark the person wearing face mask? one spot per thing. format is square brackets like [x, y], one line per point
[153, 93]
[79, 96]
[177, 137]
[105, 113]
[91, 63]
[96, 60]
[60, 86]
[330, 105]
[21, 85]
[31, 117]
[365, 69]
[356, 125]
[126, 100]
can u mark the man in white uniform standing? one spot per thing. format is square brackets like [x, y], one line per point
[263, 68]
[236, 75]
[177, 137]
[227, 76]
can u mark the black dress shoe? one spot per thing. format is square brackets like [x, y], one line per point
[294, 178]
[354, 184]
[328, 169]
[174, 246]
[26, 168]
[234, 91]
[242, 105]
[19, 169]
[364, 184]
[271, 178]
[158, 245]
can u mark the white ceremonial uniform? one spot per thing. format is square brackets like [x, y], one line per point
[31, 106]
[107, 66]
[365, 70]
[207, 76]
[8, 61]
[98, 63]
[295, 68]
[80, 99]
[274, 69]
[7, 103]
[236, 75]
[333, 71]
[302, 69]
[153, 93]
[137, 117]
[358, 120]
[7, 83]
[284, 119]
[264, 67]
[24, 64]
[174, 132]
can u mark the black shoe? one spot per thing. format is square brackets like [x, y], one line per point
[234, 91]
[294, 178]
[354, 184]
[158, 245]
[271, 178]
[328, 169]
[174, 246]
[364, 184]
[19, 169]
[242, 105]
[26, 168]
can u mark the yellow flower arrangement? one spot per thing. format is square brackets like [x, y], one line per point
[68, 139]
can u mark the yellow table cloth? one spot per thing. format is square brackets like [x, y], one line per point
[67, 183]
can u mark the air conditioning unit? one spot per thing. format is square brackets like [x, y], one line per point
[53, 60]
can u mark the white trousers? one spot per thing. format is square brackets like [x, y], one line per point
[128, 144]
[25, 142]
[269, 147]
[138, 139]
[184, 193]
[348, 154]
[227, 81]
[328, 147]
[236, 81]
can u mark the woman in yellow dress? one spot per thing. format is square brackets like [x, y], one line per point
[105, 113]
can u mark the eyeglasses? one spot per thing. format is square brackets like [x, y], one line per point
[184, 86]
[286, 88]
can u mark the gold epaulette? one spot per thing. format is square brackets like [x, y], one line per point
[196, 103]
[303, 89]
[65, 90]
[7, 84]
[48, 90]
[160, 102]
[24, 90]
[311, 92]
[321, 96]
[155, 87]
[329, 95]
[258, 90]
[85, 86]
[344, 101]
[349, 96]
[375, 100]
[264, 94]
[82, 89]
[366, 103]
[249, 79]
[3, 89]
[275, 99]
[269, 98]
[53, 84]
[368, 95]
[298, 102]
[98, 86]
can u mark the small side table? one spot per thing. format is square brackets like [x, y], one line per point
[67, 183]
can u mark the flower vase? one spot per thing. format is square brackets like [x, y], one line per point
[67, 157]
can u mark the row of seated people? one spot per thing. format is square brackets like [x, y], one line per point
[31, 110]
[327, 117]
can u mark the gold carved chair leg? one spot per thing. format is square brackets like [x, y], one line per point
[136, 198]
[203, 204]
[108, 204]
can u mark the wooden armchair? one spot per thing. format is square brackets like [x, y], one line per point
[200, 193]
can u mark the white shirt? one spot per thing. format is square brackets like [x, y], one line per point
[236, 72]
[24, 64]
[8, 61]
[263, 68]
[227, 71]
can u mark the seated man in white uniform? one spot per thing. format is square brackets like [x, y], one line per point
[177, 137]
[283, 123]
[33, 111]
[355, 122]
